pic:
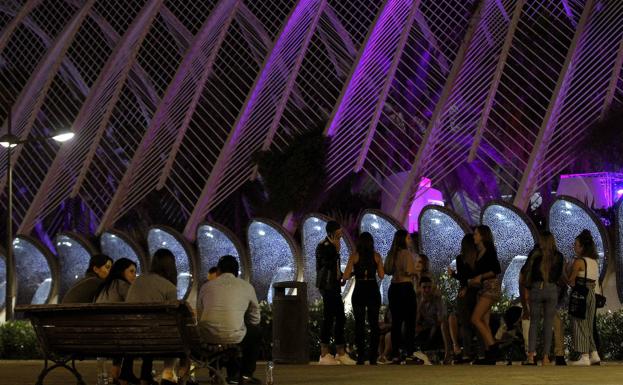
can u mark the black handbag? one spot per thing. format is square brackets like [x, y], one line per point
[600, 299]
[577, 299]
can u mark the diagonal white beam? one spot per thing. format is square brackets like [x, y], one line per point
[345, 38]
[201, 55]
[614, 79]
[541, 146]
[432, 40]
[31, 98]
[169, 124]
[361, 101]
[410, 186]
[406, 29]
[6, 33]
[482, 123]
[259, 117]
[293, 72]
[182, 35]
[92, 120]
[259, 53]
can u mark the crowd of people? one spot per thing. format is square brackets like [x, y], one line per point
[418, 323]
[227, 311]
[417, 320]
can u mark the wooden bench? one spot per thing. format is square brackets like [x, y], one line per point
[73, 332]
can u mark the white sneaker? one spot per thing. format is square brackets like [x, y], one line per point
[344, 359]
[328, 359]
[583, 361]
[595, 360]
[422, 356]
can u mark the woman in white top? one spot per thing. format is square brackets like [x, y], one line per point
[585, 272]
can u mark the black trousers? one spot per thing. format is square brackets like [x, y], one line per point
[403, 305]
[127, 368]
[333, 311]
[250, 346]
[465, 307]
[366, 300]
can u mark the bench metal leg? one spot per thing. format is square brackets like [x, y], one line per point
[60, 364]
[216, 376]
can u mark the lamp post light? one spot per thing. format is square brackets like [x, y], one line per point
[10, 141]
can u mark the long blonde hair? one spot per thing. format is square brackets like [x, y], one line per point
[549, 251]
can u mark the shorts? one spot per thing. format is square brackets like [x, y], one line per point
[491, 289]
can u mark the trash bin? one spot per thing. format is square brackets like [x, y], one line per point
[290, 323]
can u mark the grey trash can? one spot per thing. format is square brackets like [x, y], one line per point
[290, 323]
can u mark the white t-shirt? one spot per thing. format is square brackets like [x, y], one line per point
[592, 269]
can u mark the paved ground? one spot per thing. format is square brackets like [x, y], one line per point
[25, 373]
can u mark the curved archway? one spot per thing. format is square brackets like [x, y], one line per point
[510, 281]
[312, 233]
[164, 237]
[37, 271]
[382, 227]
[513, 232]
[274, 256]
[440, 233]
[567, 218]
[74, 252]
[214, 241]
[118, 244]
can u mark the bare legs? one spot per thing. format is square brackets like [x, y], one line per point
[480, 320]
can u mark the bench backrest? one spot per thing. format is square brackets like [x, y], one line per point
[113, 330]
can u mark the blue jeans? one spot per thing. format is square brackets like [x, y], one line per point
[543, 301]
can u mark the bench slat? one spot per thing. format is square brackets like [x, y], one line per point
[143, 329]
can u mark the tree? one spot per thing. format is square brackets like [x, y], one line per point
[293, 177]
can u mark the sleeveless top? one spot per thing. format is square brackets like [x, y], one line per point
[592, 270]
[404, 267]
[365, 270]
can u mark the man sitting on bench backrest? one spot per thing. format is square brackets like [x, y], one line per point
[230, 314]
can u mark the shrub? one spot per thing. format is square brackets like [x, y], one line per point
[19, 341]
[610, 325]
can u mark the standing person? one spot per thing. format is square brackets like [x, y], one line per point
[400, 264]
[487, 269]
[585, 272]
[542, 278]
[466, 298]
[114, 290]
[422, 268]
[561, 305]
[366, 264]
[85, 290]
[328, 281]
[230, 314]
[158, 285]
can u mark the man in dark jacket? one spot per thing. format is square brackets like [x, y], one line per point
[329, 282]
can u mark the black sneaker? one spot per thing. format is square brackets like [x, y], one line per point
[484, 361]
[560, 361]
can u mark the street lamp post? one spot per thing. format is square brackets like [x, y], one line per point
[9, 141]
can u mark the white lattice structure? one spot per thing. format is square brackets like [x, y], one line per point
[173, 98]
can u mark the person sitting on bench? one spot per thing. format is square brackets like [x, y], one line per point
[158, 285]
[86, 289]
[230, 314]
